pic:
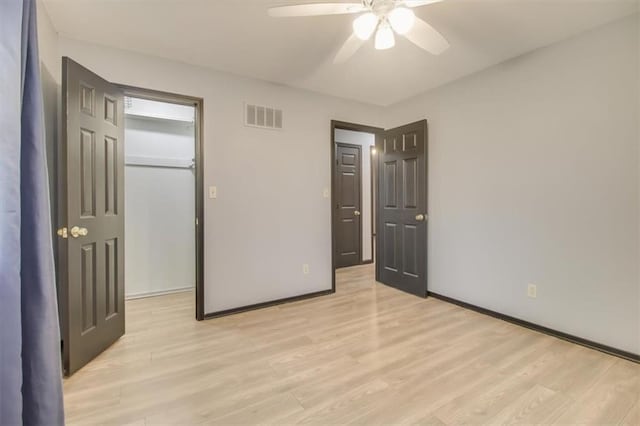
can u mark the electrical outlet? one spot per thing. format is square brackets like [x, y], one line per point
[305, 269]
[532, 291]
[326, 193]
[213, 192]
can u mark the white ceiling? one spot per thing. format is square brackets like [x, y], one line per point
[237, 36]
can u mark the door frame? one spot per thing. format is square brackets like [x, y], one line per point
[343, 125]
[372, 206]
[198, 103]
[373, 155]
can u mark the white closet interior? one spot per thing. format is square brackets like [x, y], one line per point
[159, 197]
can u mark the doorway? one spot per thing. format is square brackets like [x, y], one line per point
[353, 156]
[120, 141]
[160, 178]
[186, 117]
[397, 213]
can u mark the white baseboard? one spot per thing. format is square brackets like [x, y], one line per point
[158, 293]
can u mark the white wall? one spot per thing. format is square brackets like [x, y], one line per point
[533, 178]
[366, 141]
[160, 202]
[270, 216]
[50, 70]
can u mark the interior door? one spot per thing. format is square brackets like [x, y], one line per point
[349, 232]
[401, 239]
[91, 215]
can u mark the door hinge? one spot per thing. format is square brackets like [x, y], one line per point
[196, 221]
[62, 232]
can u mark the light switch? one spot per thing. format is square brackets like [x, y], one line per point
[326, 193]
[213, 192]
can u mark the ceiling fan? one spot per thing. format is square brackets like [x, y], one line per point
[382, 17]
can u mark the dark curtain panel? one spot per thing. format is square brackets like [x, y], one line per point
[30, 372]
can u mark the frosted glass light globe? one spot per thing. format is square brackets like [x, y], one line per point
[401, 19]
[384, 37]
[365, 25]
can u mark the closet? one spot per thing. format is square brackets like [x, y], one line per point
[159, 198]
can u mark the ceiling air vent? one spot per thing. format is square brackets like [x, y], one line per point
[263, 117]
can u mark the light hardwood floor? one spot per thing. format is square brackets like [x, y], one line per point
[368, 355]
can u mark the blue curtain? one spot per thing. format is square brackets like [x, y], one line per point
[30, 369]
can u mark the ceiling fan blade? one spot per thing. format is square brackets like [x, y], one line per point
[316, 9]
[418, 3]
[425, 36]
[348, 49]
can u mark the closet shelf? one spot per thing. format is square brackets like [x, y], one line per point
[160, 118]
[170, 163]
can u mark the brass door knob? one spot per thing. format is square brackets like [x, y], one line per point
[421, 217]
[77, 231]
[356, 213]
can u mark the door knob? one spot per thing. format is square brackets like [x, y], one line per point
[356, 213]
[421, 217]
[77, 231]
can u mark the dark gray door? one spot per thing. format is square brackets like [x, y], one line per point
[91, 215]
[401, 238]
[348, 185]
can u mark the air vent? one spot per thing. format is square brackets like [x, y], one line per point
[262, 117]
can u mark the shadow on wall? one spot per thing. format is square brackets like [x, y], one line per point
[50, 94]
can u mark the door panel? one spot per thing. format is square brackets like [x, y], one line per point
[349, 191]
[409, 250]
[348, 185]
[111, 279]
[87, 173]
[91, 193]
[88, 286]
[410, 169]
[389, 238]
[401, 254]
[111, 176]
[390, 184]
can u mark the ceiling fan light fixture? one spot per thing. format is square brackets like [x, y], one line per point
[385, 18]
[365, 25]
[402, 19]
[384, 37]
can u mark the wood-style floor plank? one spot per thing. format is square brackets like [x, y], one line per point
[368, 354]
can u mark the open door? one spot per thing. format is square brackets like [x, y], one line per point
[401, 238]
[91, 215]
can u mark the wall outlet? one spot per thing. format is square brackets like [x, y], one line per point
[326, 193]
[532, 291]
[213, 192]
[305, 269]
